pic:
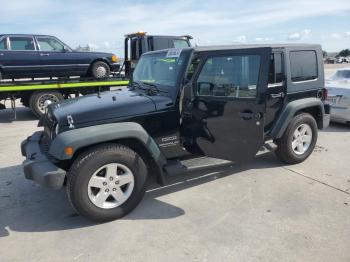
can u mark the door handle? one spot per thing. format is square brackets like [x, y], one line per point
[278, 95]
[44, 54]
[246, 115]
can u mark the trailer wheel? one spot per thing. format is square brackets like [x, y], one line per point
[100, 70]
[37, 101]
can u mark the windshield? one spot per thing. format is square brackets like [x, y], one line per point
[161, 68]
[341, 74]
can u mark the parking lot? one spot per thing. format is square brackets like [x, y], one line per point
[261, 211]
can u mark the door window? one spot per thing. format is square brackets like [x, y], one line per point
[49, 44]
[161, 43]
[232, 76]
[3, 44]
[20, 43]
[180, 43]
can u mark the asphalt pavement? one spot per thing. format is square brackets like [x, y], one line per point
[260, 211]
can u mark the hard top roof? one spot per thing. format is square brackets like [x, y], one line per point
[248, 46]
[243, 46]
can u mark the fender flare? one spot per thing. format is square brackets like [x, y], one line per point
[289, 111]
[92, 135]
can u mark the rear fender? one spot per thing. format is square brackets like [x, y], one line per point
[293, 108]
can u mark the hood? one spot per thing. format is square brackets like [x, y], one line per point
[108, 107]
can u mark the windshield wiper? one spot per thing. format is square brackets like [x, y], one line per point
[153, 88]
[134, 84]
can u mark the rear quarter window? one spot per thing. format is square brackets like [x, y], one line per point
[303, 65]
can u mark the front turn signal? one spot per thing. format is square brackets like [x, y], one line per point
[114, 58]
[68, 150]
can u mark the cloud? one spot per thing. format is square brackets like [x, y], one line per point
[263, 39]
[335, 36]
[332, 36]
[347, 34]
[241, 39]
[299, 35]
[294, 36]
[88, 21]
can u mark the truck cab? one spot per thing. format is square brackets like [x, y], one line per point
[135, 44]
[223, 102]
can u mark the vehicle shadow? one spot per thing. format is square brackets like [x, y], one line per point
[27, 207]
[22, 114]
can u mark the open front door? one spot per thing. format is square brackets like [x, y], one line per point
[225, 117]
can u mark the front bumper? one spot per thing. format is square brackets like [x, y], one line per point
[37, 166]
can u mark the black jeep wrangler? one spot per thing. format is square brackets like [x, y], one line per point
[225, 102]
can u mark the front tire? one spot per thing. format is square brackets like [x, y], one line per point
[100, 70]
[106, 182]
[299, 139]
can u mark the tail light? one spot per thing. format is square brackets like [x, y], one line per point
[324, 93]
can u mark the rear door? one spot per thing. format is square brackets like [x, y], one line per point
[22, 58]
[227, 112]
[58, 60]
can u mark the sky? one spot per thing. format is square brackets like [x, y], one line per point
[102, 24]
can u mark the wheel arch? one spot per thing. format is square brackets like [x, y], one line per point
[311, 105]
[130, 134]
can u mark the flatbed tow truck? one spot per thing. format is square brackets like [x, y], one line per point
[36, 93]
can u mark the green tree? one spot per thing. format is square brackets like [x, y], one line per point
[325, 54]
[343, 53]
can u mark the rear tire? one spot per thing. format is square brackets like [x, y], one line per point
[106, 182]
[299, 139]
[100, 70]
[37, 101]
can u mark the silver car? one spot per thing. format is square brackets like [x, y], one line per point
[338, 87]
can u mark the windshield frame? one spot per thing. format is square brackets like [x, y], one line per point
[185, 53]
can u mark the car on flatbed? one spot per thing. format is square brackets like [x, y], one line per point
[224, 102]
[33, 56]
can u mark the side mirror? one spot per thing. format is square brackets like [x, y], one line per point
[65, 49]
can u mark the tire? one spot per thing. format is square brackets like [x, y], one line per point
[100, 70]
[293, 149]
[93, 164]
[37, 101]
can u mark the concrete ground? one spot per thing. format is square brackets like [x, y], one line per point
[261, 211]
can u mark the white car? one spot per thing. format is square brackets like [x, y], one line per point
[338, 87]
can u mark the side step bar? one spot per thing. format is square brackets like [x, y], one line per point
[176, 167]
